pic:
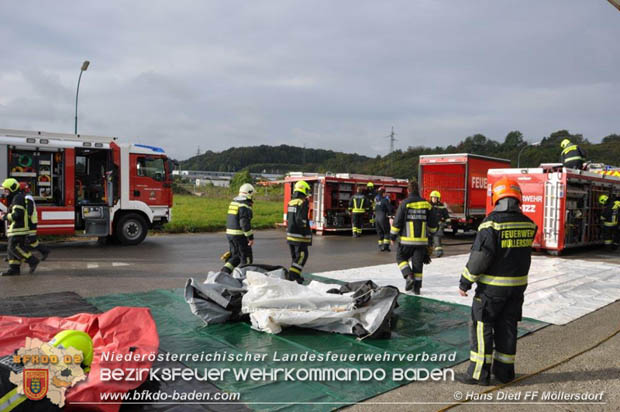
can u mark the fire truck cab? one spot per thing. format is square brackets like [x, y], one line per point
[90, 185]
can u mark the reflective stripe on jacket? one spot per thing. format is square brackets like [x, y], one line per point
[413, 222]
[298, 229]
[239, 220]
[501, 254]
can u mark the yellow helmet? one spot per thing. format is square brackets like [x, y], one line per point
[10, 184]
[602, 199]
[302, 187]
[78, 340]
[436, 194]
[565, 143]
[370, 185]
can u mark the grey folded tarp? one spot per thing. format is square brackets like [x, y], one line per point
[272, 302]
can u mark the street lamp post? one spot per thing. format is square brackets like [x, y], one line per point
[521, 151]
[84, 68]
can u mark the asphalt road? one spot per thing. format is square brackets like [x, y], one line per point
[167, 261]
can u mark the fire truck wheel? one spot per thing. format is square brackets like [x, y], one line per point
[131, 229]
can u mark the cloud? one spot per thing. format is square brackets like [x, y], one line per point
[336, 75]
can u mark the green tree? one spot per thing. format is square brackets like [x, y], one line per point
[240, 178]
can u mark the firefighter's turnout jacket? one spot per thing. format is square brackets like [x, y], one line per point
[18, 216]
[439, 212]
[298, 227]
[573, 156]
[499, 264]
[359, 203]
[239, 220]
[413, 222]
[609, 219]
[33, 218]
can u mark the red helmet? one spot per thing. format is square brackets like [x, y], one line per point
[24, 187]
[506, 187]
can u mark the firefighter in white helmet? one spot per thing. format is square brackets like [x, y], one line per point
[239, 229]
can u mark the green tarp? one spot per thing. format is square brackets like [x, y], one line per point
[421, 325]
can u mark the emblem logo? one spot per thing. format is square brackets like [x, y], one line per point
[36, 383]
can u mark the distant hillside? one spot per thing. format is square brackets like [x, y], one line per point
[274, 159]
[402, 164]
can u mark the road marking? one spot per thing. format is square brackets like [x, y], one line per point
[92, 265]
[117, 264]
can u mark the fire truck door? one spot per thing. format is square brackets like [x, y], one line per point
[147, 179]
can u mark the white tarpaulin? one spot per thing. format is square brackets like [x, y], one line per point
[276, 303]
[559, 290]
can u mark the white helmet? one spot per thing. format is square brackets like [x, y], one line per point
[246, 190]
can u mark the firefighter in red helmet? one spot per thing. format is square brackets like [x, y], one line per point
[498, 264]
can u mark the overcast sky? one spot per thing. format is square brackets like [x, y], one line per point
[324, 74]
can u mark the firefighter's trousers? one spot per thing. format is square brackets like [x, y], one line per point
[437, 237]
[382, 225]
[357, 222]
[609, 236]
[33, 244]
[493, 335]
[17, 251]
[299, 257]
[240, 253]
[415, 254]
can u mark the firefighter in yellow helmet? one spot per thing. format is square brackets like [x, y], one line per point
[498, 264]
[412, 224]
[358, 207]
[18, 219]
[10, 400]
[439, 215]
[572, 156]
[298, 232]
[609, 221]
[239, 229]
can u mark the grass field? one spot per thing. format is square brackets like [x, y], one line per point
[208, 213]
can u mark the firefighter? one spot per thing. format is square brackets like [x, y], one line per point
[412, 222]
[358, 206]
[239, 229]
[439, 215]
[298, 232]
[572, 155]
[609, 220]
[499, 263]
[370, 197]
[10, 400]
[32, 241]
[383, 209]
[18, 217]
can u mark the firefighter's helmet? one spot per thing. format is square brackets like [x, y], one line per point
[78, 340]
[302, 187]
[506, 187]
[10, 184]
[24, 187]
[565, 143]
[381, 189]
[436, 194]
[246, 190]
[602, 199]
[370, 185]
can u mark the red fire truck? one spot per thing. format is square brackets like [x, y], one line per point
[331, 193]
[89, 185]
[462, 181]
[562, 202]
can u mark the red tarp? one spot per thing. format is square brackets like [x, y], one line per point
[116, 330]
